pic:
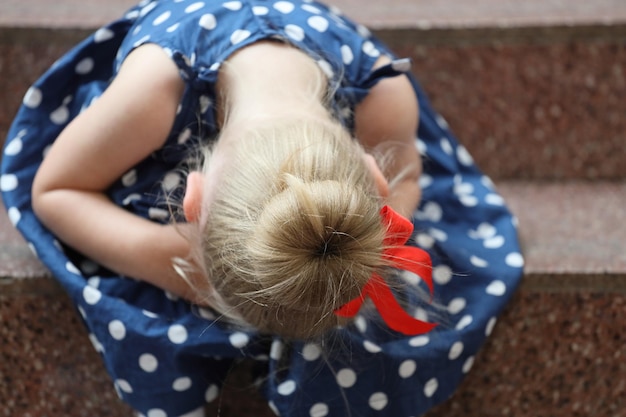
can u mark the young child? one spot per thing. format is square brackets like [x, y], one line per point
[290, 224]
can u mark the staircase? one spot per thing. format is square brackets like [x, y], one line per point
[535, 89]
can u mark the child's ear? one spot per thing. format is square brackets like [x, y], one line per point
[192, 202]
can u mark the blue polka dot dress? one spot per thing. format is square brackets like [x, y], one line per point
[167, 357]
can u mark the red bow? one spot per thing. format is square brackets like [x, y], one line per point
[409, 258]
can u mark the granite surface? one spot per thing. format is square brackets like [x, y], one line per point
[422, 13]
[551, 354]
[548, 111]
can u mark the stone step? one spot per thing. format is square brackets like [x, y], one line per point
[534, 89]
[558, 348]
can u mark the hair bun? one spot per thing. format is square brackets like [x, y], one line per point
[310, 250]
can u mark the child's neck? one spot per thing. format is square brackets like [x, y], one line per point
[271, 80]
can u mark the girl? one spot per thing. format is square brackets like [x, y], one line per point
[285, 234]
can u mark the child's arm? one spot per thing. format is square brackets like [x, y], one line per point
[128, 122]
[388, 116]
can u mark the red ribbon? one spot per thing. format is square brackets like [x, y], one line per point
[399, 230]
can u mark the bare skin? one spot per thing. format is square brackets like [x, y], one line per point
[101, 144]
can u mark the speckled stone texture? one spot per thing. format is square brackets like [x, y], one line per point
[551, 110]
[554, 110]
[551, 354]
[48, 366]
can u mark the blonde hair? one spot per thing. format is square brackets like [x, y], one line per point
[292, 231]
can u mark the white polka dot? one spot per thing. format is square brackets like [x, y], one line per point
[294, 32]
[311, 352]
[463, 188]
[184, 136]
[347, 55]
[497, 288]
[286, 388]
[117, 330]
[431, 387]
[284, 7]
[494, 199]
[442, 274]
[468, 200]
[158, 213]
[162, 18]
[438, 234]
[371, 347]
[456, 305]
[85, 66]
[147, 9]
[478, 262]
[455, 351]
[91, 295]
[171, 181]
[407, 368]
[401, 65]
[319, 410]
[232, 5]
[425, 241]
[311, 9]
[60, 115]
[124, 386]
[326, 68]
[130, 198]
[32, 98]
[425, 181]
[378, 401]
[155, 412]
[208, 21]
[515, 260]
[467, 366]
[181, 384]
[363, 31]
[445, 145]
[239, 36]
[463, 156]
[260, 10]
[96, 343]
[148, 362]
[419, 341]
[410, 278]
[483, 231]
[194, 7]
[142, 41]
[370, 49]
[14, 147]
[103, 35]
[177, 334]
[238, 339]
[318, 23]
[276, 351]
[14, 215]
[211, 393]
[130, 178]
[494, 242]
[360, 323]
[206, 314]
[346, 378]
[490, 325]
[441, 122]
[149, 314]
[137, 30]
[273, 407]
[464, 322]
[172, 28]
[431, 211]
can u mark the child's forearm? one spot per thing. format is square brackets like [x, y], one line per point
[116, 239]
